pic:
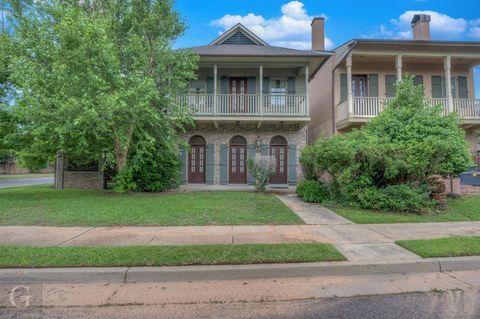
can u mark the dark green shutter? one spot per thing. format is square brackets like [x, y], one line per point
[209, 85]
[462, 87]
[264, 149]
[343, 87]
[223, 164]
[210, 164]
[390, 85]
[418, 80]
[252, 85]
[291, 85]
[183, 166]
[437, 91]
[224, 85]
[292, 164]
[266, 85]
[251, 154]
[373, 85]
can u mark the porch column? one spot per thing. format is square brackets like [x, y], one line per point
[349, 86]
[307, 104]
[398, 63]
[260, 74]
[214, 89]
[447, 65]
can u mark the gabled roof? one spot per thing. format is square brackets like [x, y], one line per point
[254, 50]
[239, 34]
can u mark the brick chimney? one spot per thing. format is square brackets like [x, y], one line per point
[421, 27]
[318, 34]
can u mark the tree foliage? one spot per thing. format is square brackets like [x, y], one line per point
[100, 75]
[403, 145]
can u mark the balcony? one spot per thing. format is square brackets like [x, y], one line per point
[367, 107]
[229, 107]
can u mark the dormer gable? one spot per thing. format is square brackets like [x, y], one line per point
[238, 35]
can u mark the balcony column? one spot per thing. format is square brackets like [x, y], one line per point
[260, 74]
[398, 64]
[307, 104]
[447, 65]
[215, 89]
[349, 86]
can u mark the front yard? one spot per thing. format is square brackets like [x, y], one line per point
[443, 247]
[462, 209]
[45, 206]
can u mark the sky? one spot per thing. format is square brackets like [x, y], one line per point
[287, 23]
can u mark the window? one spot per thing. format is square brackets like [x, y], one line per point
[197, 87]
[279, 92]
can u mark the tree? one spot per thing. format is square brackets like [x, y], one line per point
[95, 75]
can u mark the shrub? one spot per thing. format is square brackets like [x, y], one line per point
[307, 161]
[314, 192]
[262, 169]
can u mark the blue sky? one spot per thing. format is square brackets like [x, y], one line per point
[287, 23]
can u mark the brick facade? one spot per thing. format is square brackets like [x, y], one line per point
[454, 186]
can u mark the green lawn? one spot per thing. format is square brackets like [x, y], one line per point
[443, 247]
[43, 205]
[21, 176]
[462, 209]
[140, 256]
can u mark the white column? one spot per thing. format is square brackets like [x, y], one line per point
[260, 74]
[214, 89]
[307, 91]
[398, 63]
[349, 86]
[447, 65]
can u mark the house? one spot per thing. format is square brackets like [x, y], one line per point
[249, 99]
[359, 78]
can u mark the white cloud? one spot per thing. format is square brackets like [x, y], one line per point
[291, 29]
[442, 27]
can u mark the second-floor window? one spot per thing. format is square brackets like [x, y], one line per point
[278, 92]
[197, 87]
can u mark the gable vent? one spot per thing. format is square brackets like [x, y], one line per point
[238, 38]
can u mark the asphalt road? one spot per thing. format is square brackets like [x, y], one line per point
[25, 182]
[449, 304]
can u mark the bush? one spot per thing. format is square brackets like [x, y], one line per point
[314, 192]
[262, 169]
[307, 161]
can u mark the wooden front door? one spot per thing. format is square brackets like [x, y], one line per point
[238, 90]
[238, 164]
[279, 153]
[196, 164]
[359, 85]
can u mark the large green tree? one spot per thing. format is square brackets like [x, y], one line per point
[95, 75]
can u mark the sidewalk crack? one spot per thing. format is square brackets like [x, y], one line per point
[74, 237]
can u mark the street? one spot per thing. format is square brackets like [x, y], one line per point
[25, 182]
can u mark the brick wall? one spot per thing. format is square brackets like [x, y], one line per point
[83, 179]
[454, 186]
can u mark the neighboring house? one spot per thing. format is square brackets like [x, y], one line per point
[372, 67]
[249, 99]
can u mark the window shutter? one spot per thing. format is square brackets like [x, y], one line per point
[292, 164]
[291, 85]
[266, 85]
[343, 87]
[224, 85]
[250, 154]
[183, 166]
[390, 85]
[437, 91]
[462, 87]
[251, 85]
[210, 169]
[373, 85]
[264, 149]
[223, 164]
[209, 85]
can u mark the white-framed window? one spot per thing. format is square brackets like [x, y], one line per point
[197, 87]
[278, 91]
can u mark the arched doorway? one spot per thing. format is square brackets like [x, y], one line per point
[196, 160]
[278, 150]
[238, 160]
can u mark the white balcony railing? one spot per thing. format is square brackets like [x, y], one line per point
[366, 107]
[245, 105]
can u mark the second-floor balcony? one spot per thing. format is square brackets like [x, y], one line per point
[364, 108]
[283, 107]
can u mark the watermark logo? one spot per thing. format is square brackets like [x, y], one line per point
[20, 296]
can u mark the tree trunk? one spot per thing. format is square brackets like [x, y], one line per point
[121, 152]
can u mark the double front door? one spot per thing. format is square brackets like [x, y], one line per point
[196, 164]
[238, 91]
[238, 164]
[279, 154]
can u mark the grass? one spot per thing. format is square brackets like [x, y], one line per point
[140, 256]
[22, 176]
[461, 209]
[43, 205]
[443, 247]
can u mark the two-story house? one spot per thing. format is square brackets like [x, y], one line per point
[249, 99]
[356, 82]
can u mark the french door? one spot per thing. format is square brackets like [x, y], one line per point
[238, 164]
[279, 154]
[196, 164]
[238, 98]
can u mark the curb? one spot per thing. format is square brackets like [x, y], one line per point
[235, 272]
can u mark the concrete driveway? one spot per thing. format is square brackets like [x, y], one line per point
[6, 183]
